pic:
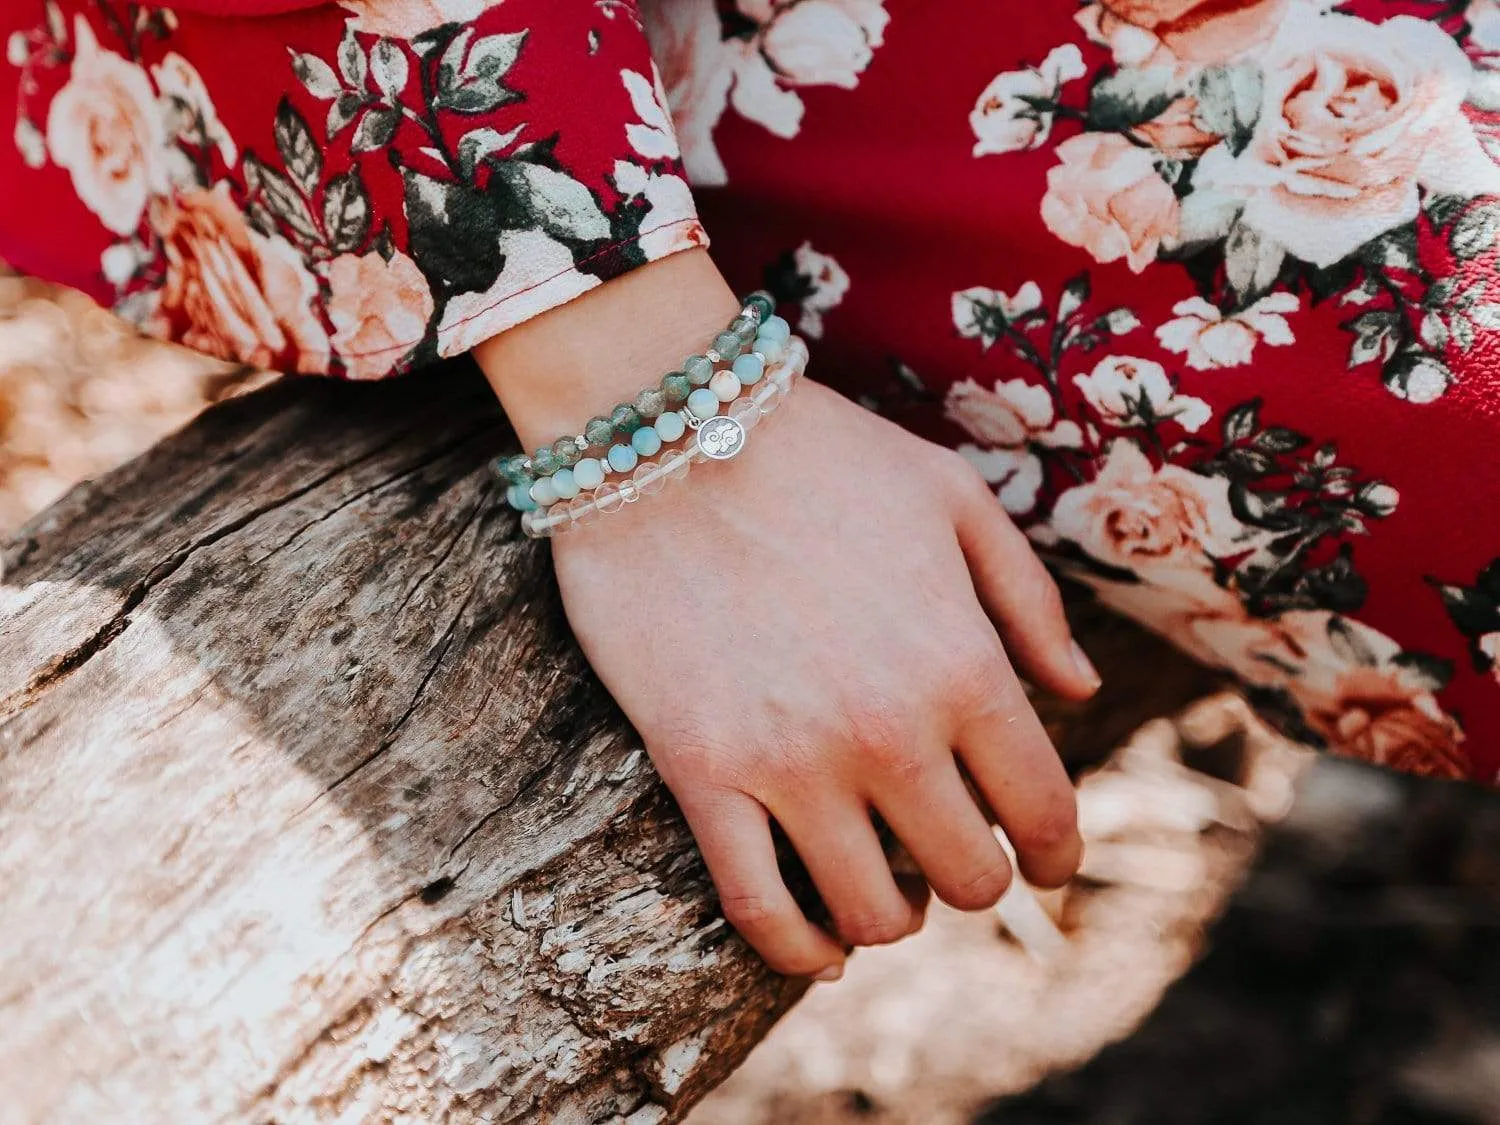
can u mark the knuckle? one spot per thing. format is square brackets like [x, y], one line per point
[982, 889]
[876, 927]
[1053, 823]
[885, 736]
[749, 911]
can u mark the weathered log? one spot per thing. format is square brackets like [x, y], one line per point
[311, 811]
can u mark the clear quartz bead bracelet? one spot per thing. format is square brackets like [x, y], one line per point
[714, 439]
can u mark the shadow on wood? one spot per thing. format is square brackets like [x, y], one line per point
[313, 812]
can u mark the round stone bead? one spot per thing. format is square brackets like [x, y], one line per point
[600, 432]
[518, 496]
[776, 329]
[646, 441]
[513, 469]
[625, 419]
[762, 302]
[769, 348]
[670, 426]
[675, 387]
[621, 458]
[725, 386]
[566, 450]
[544, 462]
[728, 345]
[564, 484]
[589, 473]
[749, 368]
[607, 499]
[703, 403]
[542, 492]
[650, 403]
[698, 369]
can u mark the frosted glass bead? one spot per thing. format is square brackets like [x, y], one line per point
[703, 403]
[581, 511]
[519, 498]
[650, 403]
[589, 473]
[670, 426]
[746, 413]
[646, 441]
[728, 345]
[648, 478]
[725, 386]
[775, 328]
[698, 369]
[543, 492]
[675, 464]
[749, 368]
[771, 349]
[600, 432]
[621, 458]
[564, 484]
[675, 387]
[797, 350]
[607, 498]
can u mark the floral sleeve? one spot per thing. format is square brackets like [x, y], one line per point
[351, 189]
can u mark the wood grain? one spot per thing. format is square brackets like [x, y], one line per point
[310, 810]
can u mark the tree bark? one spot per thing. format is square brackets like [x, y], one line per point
[311, 811]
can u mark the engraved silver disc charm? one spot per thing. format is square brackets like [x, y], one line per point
[721, 437]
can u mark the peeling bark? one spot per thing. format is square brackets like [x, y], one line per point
[310, 810]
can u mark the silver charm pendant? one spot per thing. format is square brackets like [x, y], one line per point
[721, 437]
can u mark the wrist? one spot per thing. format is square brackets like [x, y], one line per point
[555, 372]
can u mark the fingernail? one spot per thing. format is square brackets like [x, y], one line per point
[832, 973]
[1086, 667]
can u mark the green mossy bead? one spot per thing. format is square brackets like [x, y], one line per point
[676, 387]
[745, 328]
[625, 419]
[728, 345]
[698, 370]
[600, 432]
[566, 450]
[513, 469]
[544, 462]
[762, 302]
[650, 403]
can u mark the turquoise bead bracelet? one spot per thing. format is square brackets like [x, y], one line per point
[610, 439]
[716, 437]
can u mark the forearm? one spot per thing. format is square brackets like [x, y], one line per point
[555, 372]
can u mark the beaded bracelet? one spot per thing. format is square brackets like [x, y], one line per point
[718, 438]
[560, 470]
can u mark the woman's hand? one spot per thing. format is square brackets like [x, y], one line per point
[821, 629]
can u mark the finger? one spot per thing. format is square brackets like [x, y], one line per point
[734, 834]
[837, 843]
[1018, 773]
[1022, 599]
[938, 821]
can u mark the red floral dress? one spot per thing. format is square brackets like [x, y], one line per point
[1207, 289]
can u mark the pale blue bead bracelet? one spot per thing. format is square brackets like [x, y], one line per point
[712, 387]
